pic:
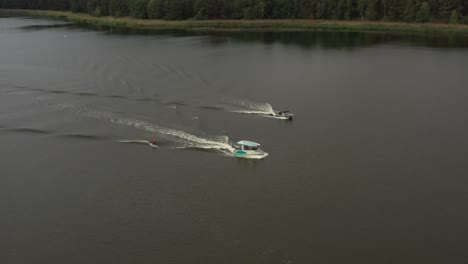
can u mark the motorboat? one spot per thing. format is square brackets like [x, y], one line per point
[249, 150]
[286, 115]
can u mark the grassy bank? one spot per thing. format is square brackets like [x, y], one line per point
[245, 25]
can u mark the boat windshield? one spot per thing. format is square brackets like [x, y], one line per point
[250, 148]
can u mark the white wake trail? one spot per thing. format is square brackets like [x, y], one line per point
[182, 138]
[145, 142]
[250, 107]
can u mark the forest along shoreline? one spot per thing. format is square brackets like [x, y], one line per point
[243, 25]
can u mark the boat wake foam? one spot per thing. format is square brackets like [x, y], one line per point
[256, 157]
[178, 137]
[145, 142]
[250, 107]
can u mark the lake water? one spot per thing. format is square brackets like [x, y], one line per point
[373, 169]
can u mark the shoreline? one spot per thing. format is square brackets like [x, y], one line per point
[245, 25]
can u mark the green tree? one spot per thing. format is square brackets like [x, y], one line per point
[138, 9]
[424, 13]
[322, 10]
[349, 13]
[384, 6]
[255, 10]
[157, 9]
[78, 6]
[362, 7]
[213, 9]
[447, 7]
[91, 7]
[339, 10]
[261, 9]
[464, 20]
[409, 12]
[52, 4]
[465, 9]
[175, 10]
[97, 12]
[454, 17]
[284, 9]
[306, 9]
[395, 9]
[249, 13]
[371, 10]
[237, 9]
[118, 8]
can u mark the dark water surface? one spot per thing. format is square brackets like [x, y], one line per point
[373, 169]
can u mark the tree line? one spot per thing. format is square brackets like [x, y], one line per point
[422, 11]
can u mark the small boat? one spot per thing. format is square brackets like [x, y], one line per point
[249, 150]
[286, 115]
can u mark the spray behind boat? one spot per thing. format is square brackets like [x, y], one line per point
[256, 108]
